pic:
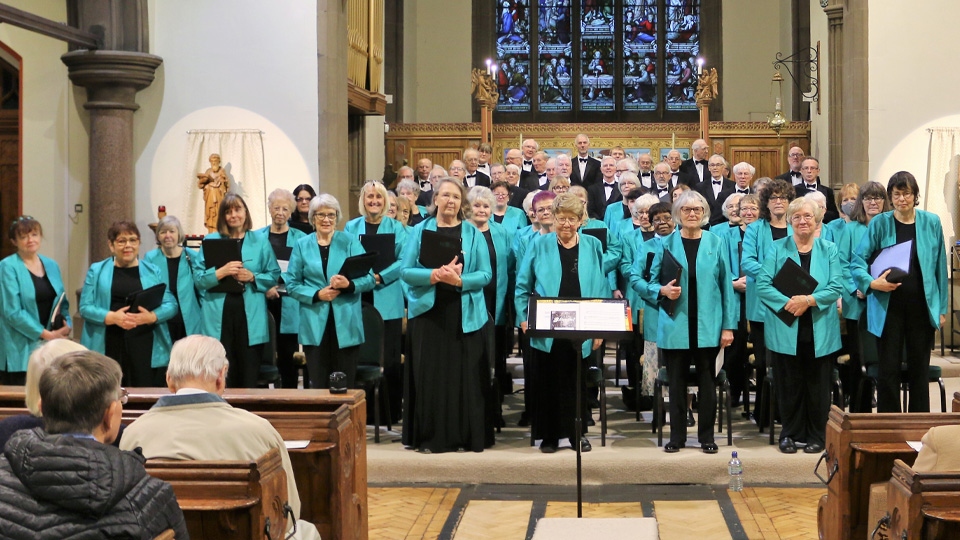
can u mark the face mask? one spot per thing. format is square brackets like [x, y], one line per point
[847, 207]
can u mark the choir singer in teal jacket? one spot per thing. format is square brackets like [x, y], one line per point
[904, 315]
[331, 341]
[175, 261]
[802, 352]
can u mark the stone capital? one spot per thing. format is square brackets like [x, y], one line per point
[112, 78]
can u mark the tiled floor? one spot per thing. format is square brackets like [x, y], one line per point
[506, 512]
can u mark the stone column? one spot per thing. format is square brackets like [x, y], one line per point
[334, 150]
[834, 13]
[849, 97]
[112, 80]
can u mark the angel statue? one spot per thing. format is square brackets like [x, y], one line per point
[483, 88]
[214, 184]
[707, 86]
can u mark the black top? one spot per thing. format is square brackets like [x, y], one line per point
[324, 257]
[690, 248]
[125, 282]
[805, 323]
[173, 269]
[911, 288]
[778, 232]
[307, 228]
[569, 271]
[45, 295]
[626, 212]
[278, 241]
[370, 228]
[499, 218]
[490, 289]
[647, 235]
[445, 292]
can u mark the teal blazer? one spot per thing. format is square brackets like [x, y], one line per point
[611, 257]
[540, 273]
[388, 295]
[756, 244]
[631, 242]
[506, 267]
[95, 304]
[521, 240]
[714, 290]
[513, 220]
[732, 236]
[186, 297]
[613, 216]
[825, 268]
[933, 262]
[847, 242]
[289, 307]
[638, 284]
[305, 277]
[259, 259]
[21, 327]
[836, 228]
[476, 274]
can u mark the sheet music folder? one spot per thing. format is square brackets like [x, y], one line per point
[148, 299]
[670, 270]
[579, 318]
[217, 252]
[357, 266]
[384, 245]
[598, 233]
[792, 280]
[895, 258]
[438, 249]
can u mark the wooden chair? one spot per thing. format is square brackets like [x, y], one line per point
[921, 504]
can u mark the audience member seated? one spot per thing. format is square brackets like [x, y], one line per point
[66, 481]
[197, 424]
[940, 451]
[40, 358]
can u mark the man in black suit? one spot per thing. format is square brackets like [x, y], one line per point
[586, 168]
[606, 192]
[717, 188]
[474, 176]
[794, 157]
[677, 176]
[661, 186]
[645, 172]
[517, 193]
[564, 166]
[528, 148]
[742, 175]
[810, 169]
[537, 177]
[698, 164]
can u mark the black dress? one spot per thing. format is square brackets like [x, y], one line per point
[133, 348]
[555, 382]
[175, 326]
[286, 343]
[447, 377]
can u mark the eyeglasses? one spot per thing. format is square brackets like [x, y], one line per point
[799, 218]
[901, 195]
[124, 396]
[546, 210]
[325, 217]
[304, 199]
[567, 220]
[661, 221]
[778, 198]
[874, 200]
[22, 218]
[130, 240]
[750, 208]
[796, 154]
[691, 210]
[278, 209]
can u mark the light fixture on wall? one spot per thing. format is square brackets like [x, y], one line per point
[777, 121]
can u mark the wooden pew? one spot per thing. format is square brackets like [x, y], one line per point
[955, 404]
[861, 449]
[331, 472]
[228, 500]
[922, 505]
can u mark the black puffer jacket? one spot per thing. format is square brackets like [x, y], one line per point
[60, 487]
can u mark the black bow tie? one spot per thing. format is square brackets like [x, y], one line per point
[812, 187]
[795, 174]
[646, 174]
[717, 182]
[744, 191]
[474, 175]
[583, 159]
[525, 162]
[610, 184]
[702, 162]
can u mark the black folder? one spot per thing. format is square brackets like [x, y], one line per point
[148, 299]
[598, 233]
[357, 266]
[895, 258]
[670, 270]
[438, 249]
[218, 252]
[56, 318]
[384, 245]
[792, 280]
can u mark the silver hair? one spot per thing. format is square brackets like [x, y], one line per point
[169, 221]
[324, 200]
[631, 177]
[197, 357]
[732, 200]
[409, 184]
[743, 165]
[689, 196]
[643, 202]
[631, 164]
[278, 194]
[40, 359]
[798, 203]
[481, 193]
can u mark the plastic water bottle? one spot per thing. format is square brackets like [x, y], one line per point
[735, 468]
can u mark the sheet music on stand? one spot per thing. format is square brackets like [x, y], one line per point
[580, 315]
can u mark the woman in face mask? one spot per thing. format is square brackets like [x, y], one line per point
[846, 201]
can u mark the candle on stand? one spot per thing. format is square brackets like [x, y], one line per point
[488, 65]
[699, 66]
[493, 71]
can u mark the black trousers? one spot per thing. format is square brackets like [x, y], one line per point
[760, 365]
[907, 330]
[862, 347]
[633, 351]
[244, 358]
[287, 345]
[328, 357]
[501, 338]
[803, 393]
[735, 364]
[392, 368]
[678, 365]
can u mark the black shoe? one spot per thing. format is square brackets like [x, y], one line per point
[691, 421]
[629, 398]
[672, 447]
[591, 421]
[813, 448]
[645, 403]
[524, 420]
[548, 447]
[585, 445]
[709, 448]
[787, 446]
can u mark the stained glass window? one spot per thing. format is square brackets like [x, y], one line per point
[633, 58]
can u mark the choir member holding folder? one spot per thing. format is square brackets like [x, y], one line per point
[446, 265]
[331, 322]
[567, 264]
[904, 312]
[137, 337]
[33, 306]
[177, 265]
[697, 313]
[799, 284]
[285, 310]
[385, 236]
[239, 269]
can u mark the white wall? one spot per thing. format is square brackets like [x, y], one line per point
[227, 64]
[912, 85]
[54, 172]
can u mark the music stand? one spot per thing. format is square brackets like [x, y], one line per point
[579, 320]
